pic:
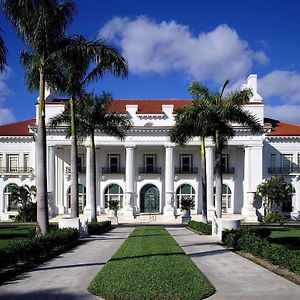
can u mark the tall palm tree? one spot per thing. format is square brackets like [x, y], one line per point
[3, 53]
[191, 121]
[82, 62]
[92, 116]
[41, 25]
[224, 113]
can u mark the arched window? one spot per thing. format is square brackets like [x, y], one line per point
[226, 197]
[9, 205]
[113, 192]
[185, 190]
[81, 197]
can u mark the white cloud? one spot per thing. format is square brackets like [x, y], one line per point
[167, 46]
[281, 83]
[6, 116]
[289, 113]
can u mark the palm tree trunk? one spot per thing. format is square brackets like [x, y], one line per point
[218, 179]
[74, 164]
[92, 168]
[203, 179]
[41, 163]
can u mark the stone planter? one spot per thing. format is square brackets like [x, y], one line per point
[220, 224]
[76, 223]
[186, 216]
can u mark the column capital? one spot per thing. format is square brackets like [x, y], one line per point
[168, 146]
[129, 146]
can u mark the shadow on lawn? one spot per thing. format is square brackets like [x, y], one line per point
[289, 242]
[147, 255]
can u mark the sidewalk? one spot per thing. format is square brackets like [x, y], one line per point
[234, 277]
[68, 275]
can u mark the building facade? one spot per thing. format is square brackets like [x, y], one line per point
[146, 172]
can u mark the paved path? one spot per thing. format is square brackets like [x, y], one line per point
[234, 277]
[68, 275]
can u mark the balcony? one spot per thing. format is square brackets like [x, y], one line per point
[119, 170]
[227, 170]
[149, 170]
[16, 171]
[80, 170]
[281, 170]
[186, 170]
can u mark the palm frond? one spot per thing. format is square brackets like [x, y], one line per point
[3, 53]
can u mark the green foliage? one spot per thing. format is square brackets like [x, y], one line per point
[150, 265]
[113, 205]
[201, 227]
[274, 191]
[260, 246]
[187, 203]
[32, 250]
[274, 217]
[97, 228]
[27, 213]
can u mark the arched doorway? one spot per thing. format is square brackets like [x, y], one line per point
[113, 192]
[149, 199]
[81, 197]
[226, 198]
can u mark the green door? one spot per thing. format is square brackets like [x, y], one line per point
[150, 199]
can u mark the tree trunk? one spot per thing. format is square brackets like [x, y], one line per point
[218, 180]
[92, 168]
[41, 163]
[203, 179]
[74, 164]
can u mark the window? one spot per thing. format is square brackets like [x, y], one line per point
[80, 162]
[226, 197]
[26, 162]
[186, 162]
[9, 204]
[1, 162]
[150, 162]
[113, 162]
[287, 163]
[225, 162]
[113, 192]
[185, 190]
[13, 163]
[287, 206]
[81, 197]
[273, 161]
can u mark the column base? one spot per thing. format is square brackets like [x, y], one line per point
[128, 212]
[169, 211]
[60, 209]
[248, 210]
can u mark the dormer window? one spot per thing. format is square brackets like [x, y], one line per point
[186, 162]
[113, 162]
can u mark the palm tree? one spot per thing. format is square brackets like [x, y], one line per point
[91, 116]
[224, 113]
[82, 62]
[191, 121]
[41, 25]
[3, 53]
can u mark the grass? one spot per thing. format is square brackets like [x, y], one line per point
[14, 231]
[288, 237]
[150, 265]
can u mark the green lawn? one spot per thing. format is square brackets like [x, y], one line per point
[289, 237]
[10, 232]
[150, 265]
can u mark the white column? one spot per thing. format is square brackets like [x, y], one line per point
[60, 181]
[130, 178]
[248, 209]
[169, 181]
[210, 178]
[87, 208]
[51, 178]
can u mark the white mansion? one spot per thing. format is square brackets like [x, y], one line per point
[146, 172]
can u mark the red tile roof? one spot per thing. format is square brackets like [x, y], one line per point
[17, 128]
[282, 128]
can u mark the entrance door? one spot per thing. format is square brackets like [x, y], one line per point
[149, 199]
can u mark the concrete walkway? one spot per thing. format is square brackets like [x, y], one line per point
[234, 277]
[68, 275]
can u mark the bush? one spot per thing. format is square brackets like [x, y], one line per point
[98, 227]
[256, 243]
[32, 250]
[201, 227]
[26, 213]
[274, 217]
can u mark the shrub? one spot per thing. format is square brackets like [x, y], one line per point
[98, 227]
[274, 217]
[187, 203]
[250, 241]
[201, 227]
[31, 250]
[113, 205]
[26, 213]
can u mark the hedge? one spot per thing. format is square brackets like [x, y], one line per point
[98, 227]
[247, 240]
[36, 249]
[201, 227]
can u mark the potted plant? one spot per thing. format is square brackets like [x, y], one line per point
[187, 203]
[113, 207]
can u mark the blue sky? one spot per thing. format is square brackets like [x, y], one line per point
[169, 43]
